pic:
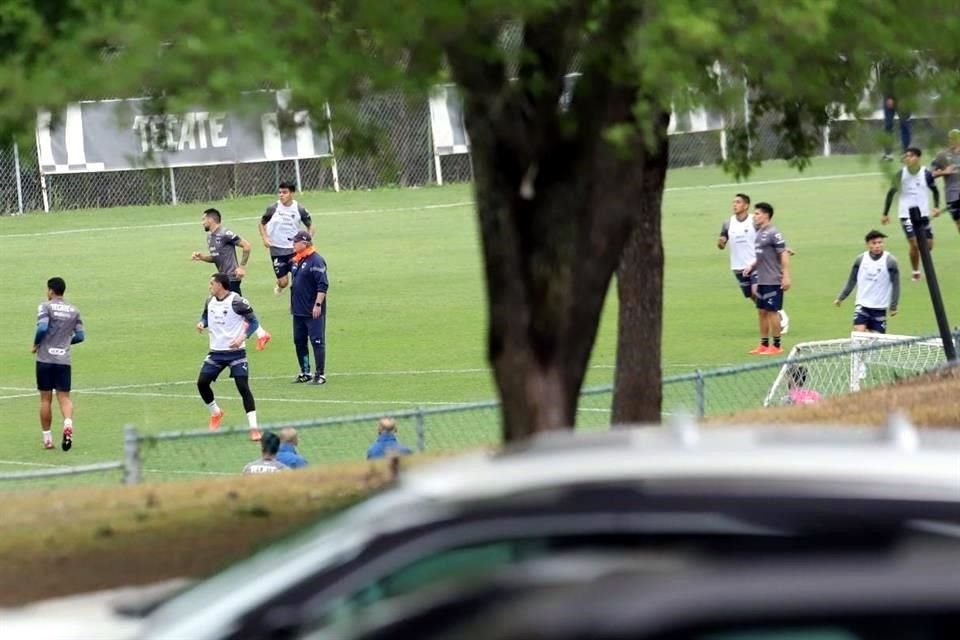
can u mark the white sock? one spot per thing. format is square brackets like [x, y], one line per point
[214, 409]
[67, 422]
[47, 436]
[252, 419]
[261, 332]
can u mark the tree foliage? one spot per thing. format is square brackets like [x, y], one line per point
[567, 196]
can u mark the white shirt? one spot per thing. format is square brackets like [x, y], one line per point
[913, 193]
[741, 237]
[874, 289]
[284, 222]
[224, 322]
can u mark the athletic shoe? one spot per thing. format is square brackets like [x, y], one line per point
[255, 435]
[773, 351]
[303, 377]
[48, 444]
[760, 350]
[887, 157]
[263, 340]
[784, 322]
[67, 441]
[215, 419]
[319, 379]
[916, 276]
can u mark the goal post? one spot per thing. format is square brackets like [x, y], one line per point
[845, 365]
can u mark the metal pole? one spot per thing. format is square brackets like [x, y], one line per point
[949, 348]
[132, 470]
[43, 192]
[421, 431]
[701, 391]
[296, 172]
[173, 187]
[16, 167]
[333, 164]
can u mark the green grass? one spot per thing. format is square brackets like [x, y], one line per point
[406, 314]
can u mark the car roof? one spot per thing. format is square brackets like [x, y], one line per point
[896, 462]
[896, 456]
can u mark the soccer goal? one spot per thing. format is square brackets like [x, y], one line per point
[845, 365]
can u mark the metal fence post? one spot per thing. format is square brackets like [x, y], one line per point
[701, 392]
[132, 469]
[421, 428]
[173, 188]
[16, 168]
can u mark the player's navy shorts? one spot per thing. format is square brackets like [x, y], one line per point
[217, 361]
[769, 297]
[954, 208]
[873, 319]
[235, 287]
[910, 232]
[745, 283]
[53, 376]
[281, 264]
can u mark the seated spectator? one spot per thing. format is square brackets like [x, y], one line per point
[288, 454]
[267, 463]
[386, 444]
[798, 392]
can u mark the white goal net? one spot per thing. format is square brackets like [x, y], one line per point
[832, 367]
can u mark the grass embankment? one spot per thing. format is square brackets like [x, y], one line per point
[931, 400]
[74, 540]
[66, 541]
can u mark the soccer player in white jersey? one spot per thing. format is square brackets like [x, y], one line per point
[913, 181]
[876, 275]
[229, 320]
[279, 223]
[740, 232]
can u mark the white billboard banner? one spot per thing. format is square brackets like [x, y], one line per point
[118, 135]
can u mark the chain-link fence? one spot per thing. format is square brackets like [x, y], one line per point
[830, 368]
[404, 157]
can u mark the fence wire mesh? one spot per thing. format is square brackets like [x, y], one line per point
[833, 368]
[403, 157]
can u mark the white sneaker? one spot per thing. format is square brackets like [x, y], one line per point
[784, 322]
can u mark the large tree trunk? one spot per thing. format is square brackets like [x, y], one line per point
[637, 387]
[553, 231]
[557, 193]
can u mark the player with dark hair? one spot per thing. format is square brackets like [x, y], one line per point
[947, 165]
[771, 278]
[222, 244]
[267, 462]
[58, 327]
[913, 182]
[876, 275]
[230, 320]
[279, 223]
[740, 232]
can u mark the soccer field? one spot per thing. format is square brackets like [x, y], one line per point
[406, 322]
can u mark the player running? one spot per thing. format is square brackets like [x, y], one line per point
[913, 181]
[876, 275]
[740, 232]
[279, 223]
[230, 320]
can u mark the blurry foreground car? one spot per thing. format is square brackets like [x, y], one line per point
[662, 502]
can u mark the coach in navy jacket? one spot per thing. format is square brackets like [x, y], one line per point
[308, 305]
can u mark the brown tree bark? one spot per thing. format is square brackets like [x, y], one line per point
[557, 198]
[637, 387]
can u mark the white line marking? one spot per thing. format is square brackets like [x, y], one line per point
[449, 205]
[168, 225]
[45, 465]
[148, 394]
[750, 183]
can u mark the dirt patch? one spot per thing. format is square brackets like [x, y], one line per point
[74, 540]
[931, 400]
